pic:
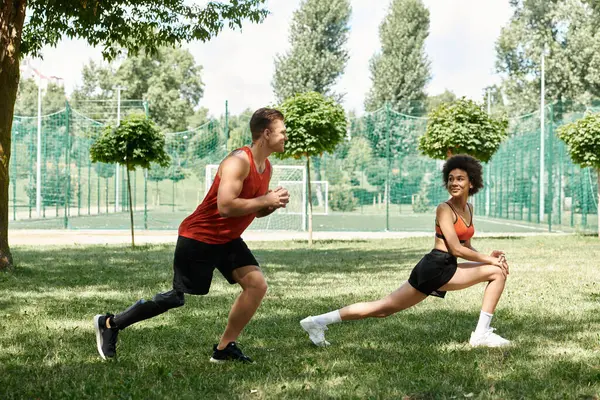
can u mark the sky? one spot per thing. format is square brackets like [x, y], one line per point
[238, 65]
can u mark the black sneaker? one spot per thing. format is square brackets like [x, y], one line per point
[106, 338]
[230, 353]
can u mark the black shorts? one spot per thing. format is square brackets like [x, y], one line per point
[195, 261]
[432, 272]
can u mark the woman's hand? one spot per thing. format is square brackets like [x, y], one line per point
[497, 253]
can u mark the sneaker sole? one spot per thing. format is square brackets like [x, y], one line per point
[98, 336]
[490, 347]
[214, 360]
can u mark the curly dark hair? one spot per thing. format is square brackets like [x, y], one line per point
[470, 165]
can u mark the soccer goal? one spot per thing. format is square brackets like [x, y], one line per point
[293, 217]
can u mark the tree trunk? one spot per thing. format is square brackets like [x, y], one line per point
[130, 205]
[310, 214]
[12, 16]
[317, 162]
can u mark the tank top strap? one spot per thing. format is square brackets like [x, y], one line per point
[456, 216]
[248, 152]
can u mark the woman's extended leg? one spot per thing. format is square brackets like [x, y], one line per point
[400, 299]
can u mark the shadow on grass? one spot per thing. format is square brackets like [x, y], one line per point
[48, 349]
[110, 266]
[421, 354]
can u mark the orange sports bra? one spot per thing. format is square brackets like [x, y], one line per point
[463, 231]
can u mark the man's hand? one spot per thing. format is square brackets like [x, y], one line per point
[277, 198]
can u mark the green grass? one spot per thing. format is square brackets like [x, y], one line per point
[550, 309]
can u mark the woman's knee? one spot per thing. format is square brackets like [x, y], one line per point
[497, 275]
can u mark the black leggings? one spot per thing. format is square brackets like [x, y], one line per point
[142, 309]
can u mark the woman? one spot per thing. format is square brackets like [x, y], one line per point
[438, 271]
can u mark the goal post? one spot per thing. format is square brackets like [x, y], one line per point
[294, 216]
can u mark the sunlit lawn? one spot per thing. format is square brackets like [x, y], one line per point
[550, 309]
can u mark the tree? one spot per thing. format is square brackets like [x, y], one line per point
[53, 98]
[401, 70]
[168, 79]
[583, 139]
[315, 124]
[434, 102]
[198, 118]
[462, 127]
[318, 56]
[571, 32]
[136, 142]
[27, 98]
[112, 25]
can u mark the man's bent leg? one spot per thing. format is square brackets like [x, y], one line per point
[254, 288]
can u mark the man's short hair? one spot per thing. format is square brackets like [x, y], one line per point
[262, 119]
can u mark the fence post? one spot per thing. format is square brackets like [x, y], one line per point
[550, 167]
[389, 166]
[146, 180]
[67, 164]
[226, 122]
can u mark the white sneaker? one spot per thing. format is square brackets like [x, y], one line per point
[488, 339]
[316, 331]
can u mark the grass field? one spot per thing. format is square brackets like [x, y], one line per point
[550, 310]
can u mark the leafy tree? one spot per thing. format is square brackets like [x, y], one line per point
[401, 70]
[318, 56]
[434, 102]
[53, 98]
[359, 155]
[583, 139]
[111, 25]
[462, 127]
[315, 124]
[199, 118]
[168, 79]
[136, 142]
[571, 32]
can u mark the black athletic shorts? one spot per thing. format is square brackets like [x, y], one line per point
[195, 261]
[432, 272]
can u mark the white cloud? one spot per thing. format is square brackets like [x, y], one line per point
[238, 66]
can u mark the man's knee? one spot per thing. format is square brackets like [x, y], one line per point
[168, 300]
[256, 284]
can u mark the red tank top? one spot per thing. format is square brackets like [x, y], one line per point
[463, 231]
[206, 225]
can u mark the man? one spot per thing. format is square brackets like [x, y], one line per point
[210, 238]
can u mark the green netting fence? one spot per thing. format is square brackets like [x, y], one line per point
[376, 180]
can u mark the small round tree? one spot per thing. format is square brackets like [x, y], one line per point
[136, 142]
[583, 139]
[315, 124]
[462, 127]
